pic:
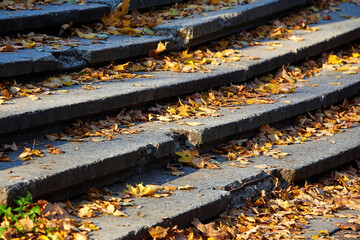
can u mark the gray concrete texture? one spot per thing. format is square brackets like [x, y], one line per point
[81, 163]
[315, 156]
[25, 113]
[50, 15]
[182, 31]
[77, 167]
[136, 4]
[213, 25]
[27, 61]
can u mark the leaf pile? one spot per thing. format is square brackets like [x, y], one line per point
[40, 220]
[16, 5]
[282, 214]
[99, 202]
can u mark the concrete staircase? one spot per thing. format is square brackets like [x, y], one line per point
[134, 158]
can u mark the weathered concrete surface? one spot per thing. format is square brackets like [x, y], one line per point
[27, 61]
[50, 15]
[179, 210]
[304, 99]
[78, 167]
[82, 164]
[312, 156]
[327, 223]
[136, 4]
[120, 48]
[213, 25]
[117, 47]
[24, 113]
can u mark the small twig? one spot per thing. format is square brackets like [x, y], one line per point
[250, 182]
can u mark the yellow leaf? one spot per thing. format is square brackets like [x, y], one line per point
[89, 35]
[120, 68]
[356, 55]
[333, 59]
[194, 124]
[324, 232]
[160, 48]
[334, 83]
[119, 213]
[140, 190]
[187, 156]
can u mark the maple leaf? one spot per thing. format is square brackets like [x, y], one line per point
[140, 190]
[160, 48]
[333, 59]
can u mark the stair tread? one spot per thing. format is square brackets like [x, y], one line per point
[50, 15]
[23, 113]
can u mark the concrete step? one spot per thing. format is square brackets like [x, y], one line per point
[29, 61]
[212, 194]
[23, 114]
[136, 4]
[50, 15]
[183, 32]
[213, 25]
[101, 162]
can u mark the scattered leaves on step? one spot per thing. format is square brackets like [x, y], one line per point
[201, 59]
[313, 126]
[282, 213]
[98, 202]
[17, 5]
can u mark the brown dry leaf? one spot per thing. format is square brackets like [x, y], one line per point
[54, 211]
[113, 18]
[17, 177]
[158, 232]
[4, 157]
[53, 150]
[210, 229]
[353, 226]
